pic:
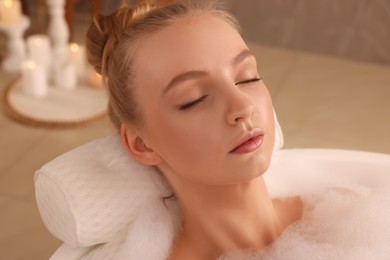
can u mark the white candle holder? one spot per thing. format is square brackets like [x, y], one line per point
[16, 47]
[58, 31]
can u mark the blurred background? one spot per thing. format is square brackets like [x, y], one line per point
[326, 64]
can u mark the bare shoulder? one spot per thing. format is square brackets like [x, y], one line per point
[288, 209]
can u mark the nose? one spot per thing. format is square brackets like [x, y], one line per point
[240, 107]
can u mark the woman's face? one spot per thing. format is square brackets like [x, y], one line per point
[199, 90]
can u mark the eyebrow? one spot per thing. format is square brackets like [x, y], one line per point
[240, 57]
[197, 74]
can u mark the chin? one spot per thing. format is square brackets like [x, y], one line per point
[259, 166]
[249, 171]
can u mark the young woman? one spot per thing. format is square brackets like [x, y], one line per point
[188, 99]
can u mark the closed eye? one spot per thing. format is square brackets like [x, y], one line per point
[192, 103]
[249, 81]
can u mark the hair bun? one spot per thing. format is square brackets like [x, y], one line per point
[97, 37]
[105, 31]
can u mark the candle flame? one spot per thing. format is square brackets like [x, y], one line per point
[38, 42]
[8, 3]
[31, 64]
[74, 47]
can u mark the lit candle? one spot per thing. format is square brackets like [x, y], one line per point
[34, 81]
[95, 79]
[10, 11]
[38, 48]
[77, 56]
[66, 76]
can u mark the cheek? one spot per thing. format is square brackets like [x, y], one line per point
[190, 148]
[269, 144]
[264, 107]
[269, 117]
[177, 142]
[265, 116]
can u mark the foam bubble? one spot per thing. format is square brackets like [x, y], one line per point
[345, 224]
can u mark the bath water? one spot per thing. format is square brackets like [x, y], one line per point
[351, 223]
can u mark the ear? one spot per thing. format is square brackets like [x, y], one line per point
[136, 146]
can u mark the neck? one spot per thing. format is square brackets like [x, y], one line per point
[217, 219]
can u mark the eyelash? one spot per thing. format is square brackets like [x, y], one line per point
[192, 103]
[249, 81]
[202, 98]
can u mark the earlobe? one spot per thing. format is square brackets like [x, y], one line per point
[136, 146]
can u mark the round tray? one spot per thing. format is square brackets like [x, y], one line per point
[59, 108]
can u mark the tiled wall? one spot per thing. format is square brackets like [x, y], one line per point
[358, 29]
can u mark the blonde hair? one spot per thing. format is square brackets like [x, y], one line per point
[110, 41]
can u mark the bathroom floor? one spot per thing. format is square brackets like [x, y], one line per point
[321, 101]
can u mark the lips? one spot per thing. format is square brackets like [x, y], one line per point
[249, 142]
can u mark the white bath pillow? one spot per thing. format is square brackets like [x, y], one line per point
[88, 194]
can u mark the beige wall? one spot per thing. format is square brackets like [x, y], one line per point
[358, 29]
